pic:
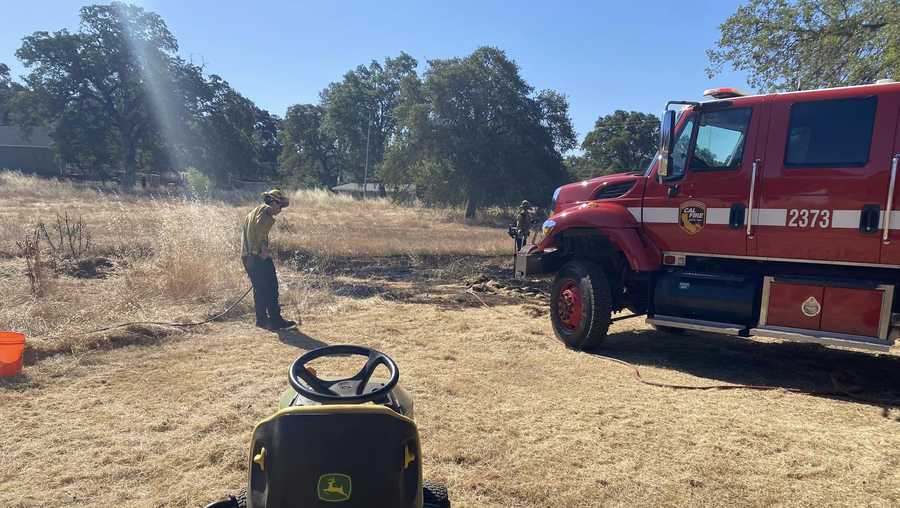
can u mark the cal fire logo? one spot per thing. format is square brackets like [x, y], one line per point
[692, 216]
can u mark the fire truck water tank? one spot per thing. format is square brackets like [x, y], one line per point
[722, 298]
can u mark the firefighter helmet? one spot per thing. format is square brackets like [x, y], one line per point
[278, 196]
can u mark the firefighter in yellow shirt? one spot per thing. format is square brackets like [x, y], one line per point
[258, 260]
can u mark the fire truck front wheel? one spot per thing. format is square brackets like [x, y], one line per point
[580, 305]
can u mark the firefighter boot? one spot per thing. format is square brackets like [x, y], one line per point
[280, 323]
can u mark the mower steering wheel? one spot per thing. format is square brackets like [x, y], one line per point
[349, 390]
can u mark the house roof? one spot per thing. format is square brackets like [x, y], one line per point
[12, 136]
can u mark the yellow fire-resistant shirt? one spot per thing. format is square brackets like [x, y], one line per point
[523, 222]
[255, 231]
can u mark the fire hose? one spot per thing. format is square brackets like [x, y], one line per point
[162, 323]
[637, 375]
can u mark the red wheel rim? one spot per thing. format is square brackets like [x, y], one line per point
[569, 305]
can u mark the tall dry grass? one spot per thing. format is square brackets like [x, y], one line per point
[337, 225]
[176, 257]
[194, 252]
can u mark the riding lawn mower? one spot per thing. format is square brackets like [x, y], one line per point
[339, 443]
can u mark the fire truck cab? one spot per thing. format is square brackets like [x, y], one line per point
[773, 215]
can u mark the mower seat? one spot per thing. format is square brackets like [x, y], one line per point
[359, 455]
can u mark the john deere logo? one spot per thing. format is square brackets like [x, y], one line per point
[692, 216]
[334, 487]
[811, 307]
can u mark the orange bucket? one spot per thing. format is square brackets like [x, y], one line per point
[12, 345]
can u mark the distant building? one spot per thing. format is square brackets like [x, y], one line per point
[29, 153]
[373, 189]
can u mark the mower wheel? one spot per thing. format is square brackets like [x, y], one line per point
[239, 501]
[435, 495]
[581, 305]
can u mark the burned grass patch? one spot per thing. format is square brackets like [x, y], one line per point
[92, 267]
[132, 334]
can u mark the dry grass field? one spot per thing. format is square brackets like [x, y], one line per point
[159, 416]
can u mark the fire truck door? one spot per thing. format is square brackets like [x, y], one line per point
[824, 179]
[700, 207]
[890, 247]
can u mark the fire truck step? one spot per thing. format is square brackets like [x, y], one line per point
[698, 325]
[822, 337]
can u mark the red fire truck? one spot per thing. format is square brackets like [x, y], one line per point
[773, 215]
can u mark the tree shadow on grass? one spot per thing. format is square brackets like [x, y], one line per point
[298, 339]
[818, 370]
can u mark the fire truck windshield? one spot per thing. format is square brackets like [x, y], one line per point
[720, 139]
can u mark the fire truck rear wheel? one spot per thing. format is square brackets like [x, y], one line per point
[581, 305]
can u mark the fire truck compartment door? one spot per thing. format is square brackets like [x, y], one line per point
[890, 250]
[854, 311]
[701, 207]
[825, 177]
[854, 308]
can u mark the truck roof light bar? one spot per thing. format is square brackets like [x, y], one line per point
[724, 92]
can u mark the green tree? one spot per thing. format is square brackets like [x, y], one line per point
[802, 44]
[360, 109]
[581, 167]
[103, 72]
[310, 152]
[475, 131]
[266, 142]
[220, 132]
[229, 142]
[118, 97]
[6, 93]
[622, 141]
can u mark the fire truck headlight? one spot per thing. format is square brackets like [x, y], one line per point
[548, 227]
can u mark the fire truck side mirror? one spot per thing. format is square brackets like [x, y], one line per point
[667, 127]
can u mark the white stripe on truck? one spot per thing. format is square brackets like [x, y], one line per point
[664, 215]
[776, 217]
[895, 220]
[770, 217]
[845, 219]
[718, 215]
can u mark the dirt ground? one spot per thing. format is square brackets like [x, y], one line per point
[507, 415]
[159, 416]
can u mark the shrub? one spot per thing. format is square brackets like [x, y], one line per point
[198, 183]
[69, 238]
[35, 269]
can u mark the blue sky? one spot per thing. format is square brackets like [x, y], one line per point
[603, 56]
